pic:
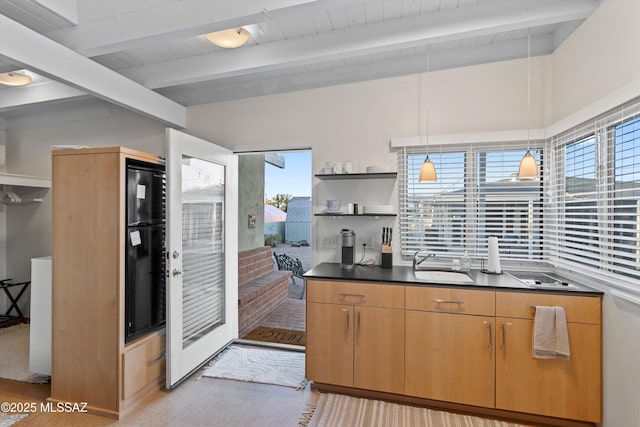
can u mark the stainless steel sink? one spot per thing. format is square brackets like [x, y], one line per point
[444, 276]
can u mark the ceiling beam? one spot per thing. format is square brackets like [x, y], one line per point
[65, 9]
[420, 30]
[180, 19]
[38, 93]
[46, 57]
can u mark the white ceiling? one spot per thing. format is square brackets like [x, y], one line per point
[93, 57]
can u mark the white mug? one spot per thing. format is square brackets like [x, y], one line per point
[348, 167]
[338, 168]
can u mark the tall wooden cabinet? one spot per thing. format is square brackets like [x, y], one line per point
[356, 333]
[90, 362]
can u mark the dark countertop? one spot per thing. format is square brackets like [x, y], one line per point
[404, 275]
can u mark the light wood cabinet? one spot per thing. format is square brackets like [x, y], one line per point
[557, 388]
[460, 346]
[450, 345]
[90, 362]
[358, 342]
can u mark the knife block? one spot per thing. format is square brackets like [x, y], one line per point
[387, 256]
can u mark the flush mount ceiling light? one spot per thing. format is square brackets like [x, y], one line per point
[428, 169]
[528, 166]
[229, 39]
[14, 79]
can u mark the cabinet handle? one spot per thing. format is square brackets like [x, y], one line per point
[504, 335]
[345, 295]
[490, 326]
[348, 312]
[446, 301]
[154, 361]
[358, 326]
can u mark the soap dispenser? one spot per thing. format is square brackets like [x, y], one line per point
[465, 262]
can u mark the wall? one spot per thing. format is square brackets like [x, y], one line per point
[598, 59]
[597, 68]
[250, 201]
[356, 122]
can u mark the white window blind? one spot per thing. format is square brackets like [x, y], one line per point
[594, 197]
[432, 215]
[476, 195]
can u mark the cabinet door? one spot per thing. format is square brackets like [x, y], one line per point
[379, 349]
[450, 357]
[329, 350]
[556, 388]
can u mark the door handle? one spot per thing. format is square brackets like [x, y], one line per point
[358, 327]
[176, 272]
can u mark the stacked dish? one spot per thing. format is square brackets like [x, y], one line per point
[377, 169]
[377, 209]
[332, 206]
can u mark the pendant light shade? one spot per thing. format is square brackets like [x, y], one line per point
[229, 39]
[428, 171]
[528, 167]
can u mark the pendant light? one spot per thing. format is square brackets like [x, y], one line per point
[428, 169]
[528, 166]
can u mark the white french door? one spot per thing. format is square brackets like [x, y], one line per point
[202, 230]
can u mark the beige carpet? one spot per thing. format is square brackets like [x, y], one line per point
[336, 410]
[259, 365]
[9, 419]
[14, 355]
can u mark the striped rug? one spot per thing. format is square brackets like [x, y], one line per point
[336, 410]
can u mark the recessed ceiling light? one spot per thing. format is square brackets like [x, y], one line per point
[14, 79]
[229, 39]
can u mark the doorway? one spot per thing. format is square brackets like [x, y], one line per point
[274, 245]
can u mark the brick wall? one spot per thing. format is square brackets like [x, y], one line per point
[254, 263]
[260, 288]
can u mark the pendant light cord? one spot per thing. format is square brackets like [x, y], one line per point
[427, 96]
[528, 87]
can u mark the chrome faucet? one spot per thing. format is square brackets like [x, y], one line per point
[417, 262]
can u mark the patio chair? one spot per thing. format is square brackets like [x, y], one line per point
[285, 262]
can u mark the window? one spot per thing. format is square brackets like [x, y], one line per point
[625, 197]
[595, 198]
[477, 195]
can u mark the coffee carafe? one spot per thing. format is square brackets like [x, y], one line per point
[348, 247]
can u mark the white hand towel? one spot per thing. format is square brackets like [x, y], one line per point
[550, 334]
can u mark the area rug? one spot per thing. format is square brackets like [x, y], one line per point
[336, 410]
[14, 355]
[9, 419]
[277, 335]
[259, 365]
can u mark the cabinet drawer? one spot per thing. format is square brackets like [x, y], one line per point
[143, 363]
[579, 309]
[450, 300]
[355, 293]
